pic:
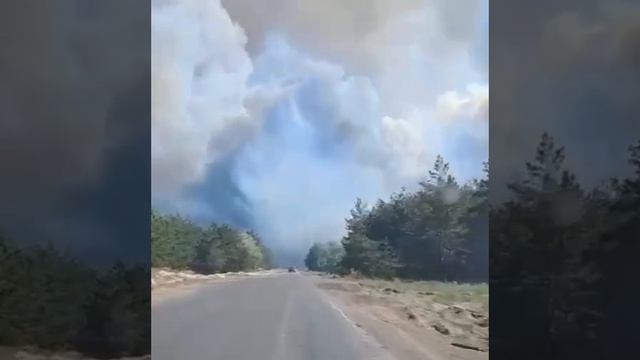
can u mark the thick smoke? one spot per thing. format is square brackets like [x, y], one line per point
[74, 110]
[200, 70]
[277, 115]
[570, 68]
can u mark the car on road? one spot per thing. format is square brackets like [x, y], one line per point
[292, 269]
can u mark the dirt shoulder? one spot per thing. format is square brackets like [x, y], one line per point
[165, 278]
[416, 320]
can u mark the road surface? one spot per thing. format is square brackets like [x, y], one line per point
[280, 317]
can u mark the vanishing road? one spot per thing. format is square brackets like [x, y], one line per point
[277, 317]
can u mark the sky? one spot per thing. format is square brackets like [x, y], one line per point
[276, 115]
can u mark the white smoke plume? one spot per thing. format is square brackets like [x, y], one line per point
[310, 104]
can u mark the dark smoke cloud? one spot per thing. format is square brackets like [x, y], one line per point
[74, 134]
[571, 68]
[227, 202]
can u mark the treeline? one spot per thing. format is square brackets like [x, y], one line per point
[52, 301]
[324, 257]
[563, 262]
[439, 232]
[178, 243]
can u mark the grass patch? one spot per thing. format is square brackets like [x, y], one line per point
[437, 291]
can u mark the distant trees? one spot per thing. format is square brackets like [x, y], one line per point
[324, 257]
[312, 260]
[439, 232]
[178, 243]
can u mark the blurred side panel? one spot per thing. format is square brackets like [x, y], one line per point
[564, 179]
[75, 177]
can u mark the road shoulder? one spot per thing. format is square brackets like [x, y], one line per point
[392, 323]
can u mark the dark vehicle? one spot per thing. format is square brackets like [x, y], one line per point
[292, 269]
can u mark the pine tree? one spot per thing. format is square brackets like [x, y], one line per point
[312, 259]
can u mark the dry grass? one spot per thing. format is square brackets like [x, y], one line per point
[459, 312]
[435, 291]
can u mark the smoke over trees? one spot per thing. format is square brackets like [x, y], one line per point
[559, 250]
[178, 243]
[438, 232]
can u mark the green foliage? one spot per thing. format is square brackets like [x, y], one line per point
[312, 260]
[368, 257]
[118, 319]
[174, 240]
[50, 300]
[40, 294]
[324, 257]
[439, 232]
[231, 251]
[267, 256]
[553, 245]
[334, 252]
[178, 243]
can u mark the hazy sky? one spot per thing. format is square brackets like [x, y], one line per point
[276, 115]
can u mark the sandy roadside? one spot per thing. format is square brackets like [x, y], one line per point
[410, 324]
[168, 284]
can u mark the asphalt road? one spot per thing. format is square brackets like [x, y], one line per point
[282, 317]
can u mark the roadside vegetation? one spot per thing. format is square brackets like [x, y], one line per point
[448, 293]
[178, 243]
[418, 261]
[561, 257]
[439, 232]
[554, 243]
[324, 257]
[51, 301]
[54, 302]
